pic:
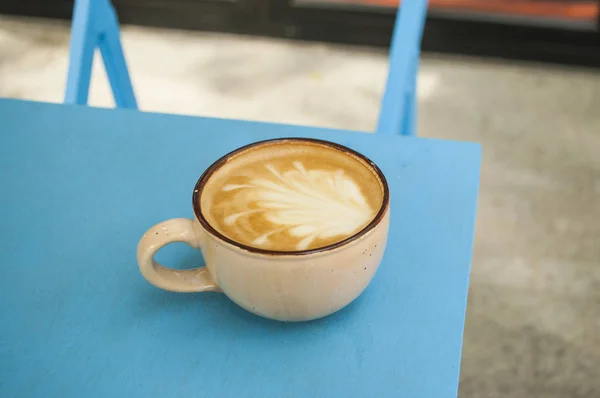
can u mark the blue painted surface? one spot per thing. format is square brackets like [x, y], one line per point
[80, 185]
[398, 113]
[95, 25]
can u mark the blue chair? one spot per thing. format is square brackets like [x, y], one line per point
[398, 114]
[95, 24]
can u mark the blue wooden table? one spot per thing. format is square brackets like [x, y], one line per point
[80, 186]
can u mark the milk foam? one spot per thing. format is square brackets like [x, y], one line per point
[292, 202]
[308, 204]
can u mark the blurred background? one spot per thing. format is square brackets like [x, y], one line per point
[519, 76]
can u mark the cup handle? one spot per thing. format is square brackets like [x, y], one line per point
[160, 235]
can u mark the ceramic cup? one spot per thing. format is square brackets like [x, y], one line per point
[285, 286]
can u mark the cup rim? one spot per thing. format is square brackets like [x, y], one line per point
[197, 193]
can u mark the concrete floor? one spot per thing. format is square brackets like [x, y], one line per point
[533, 320]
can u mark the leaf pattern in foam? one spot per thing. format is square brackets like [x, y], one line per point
[307, 204]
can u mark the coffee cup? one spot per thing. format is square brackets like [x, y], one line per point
[290, 229]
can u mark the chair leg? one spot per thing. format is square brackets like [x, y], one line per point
[404, 121]
[393, 105]
[409, 121]
[110, 47]
[81, 55]
[399, 98]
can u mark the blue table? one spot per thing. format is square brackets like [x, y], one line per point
[80, 186]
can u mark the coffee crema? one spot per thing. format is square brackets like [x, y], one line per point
[291, 195]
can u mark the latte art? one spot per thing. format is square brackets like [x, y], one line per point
[307, 204]
[291, 196]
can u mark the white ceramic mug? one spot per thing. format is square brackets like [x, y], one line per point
[286, 286]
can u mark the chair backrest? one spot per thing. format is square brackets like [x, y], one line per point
[399, 105]
[95, 25]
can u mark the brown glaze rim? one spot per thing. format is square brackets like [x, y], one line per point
[216, 165]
